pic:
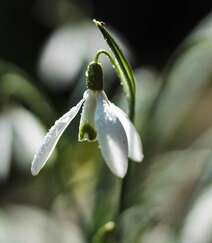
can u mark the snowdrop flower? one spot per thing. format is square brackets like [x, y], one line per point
[101, 120]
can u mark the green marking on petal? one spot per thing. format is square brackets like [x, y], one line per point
[87, 133]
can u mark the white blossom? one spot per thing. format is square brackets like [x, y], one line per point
[103, 121]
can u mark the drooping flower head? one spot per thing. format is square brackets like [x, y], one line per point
[101, 120]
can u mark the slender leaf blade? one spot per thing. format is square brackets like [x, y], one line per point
[125, 72]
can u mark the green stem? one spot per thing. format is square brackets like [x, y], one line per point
[125, 74]
[111, 59]
[123, 67]
[115, 66]
[131, 102]
[123, 204]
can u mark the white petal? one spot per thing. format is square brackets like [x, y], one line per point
[112, 137]
[52, 137]
[5, 146]
[135, 150]
[28, 134]
[87, 128]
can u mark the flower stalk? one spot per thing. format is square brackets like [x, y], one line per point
[123, 68]
[125, 73]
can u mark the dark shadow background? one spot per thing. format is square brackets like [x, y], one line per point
[153, 28]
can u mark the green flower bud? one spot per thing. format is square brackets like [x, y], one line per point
[94, 76]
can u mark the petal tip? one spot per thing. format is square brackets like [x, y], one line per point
[139, 158]
[120, 172]
[34, 171]
[121, 175]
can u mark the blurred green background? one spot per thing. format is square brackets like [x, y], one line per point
[45, 46]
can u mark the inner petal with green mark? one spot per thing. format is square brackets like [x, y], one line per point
[87, 128]
[87, 133]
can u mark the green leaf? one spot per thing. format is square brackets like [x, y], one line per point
[124, 69]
